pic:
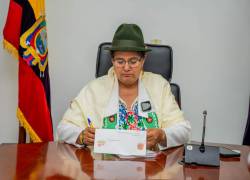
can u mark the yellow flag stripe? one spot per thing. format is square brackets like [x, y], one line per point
[38, 7]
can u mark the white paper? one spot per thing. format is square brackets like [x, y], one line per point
[118, 169]
[123, 142]
[149, 155]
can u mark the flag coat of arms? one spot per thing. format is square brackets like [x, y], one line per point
[25, 37]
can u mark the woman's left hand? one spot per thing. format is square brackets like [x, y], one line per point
[155, 136]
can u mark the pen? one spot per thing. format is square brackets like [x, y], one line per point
[90, 123]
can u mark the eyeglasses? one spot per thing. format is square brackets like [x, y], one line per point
[132, 62]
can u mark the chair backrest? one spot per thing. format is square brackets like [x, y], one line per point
[159, 61]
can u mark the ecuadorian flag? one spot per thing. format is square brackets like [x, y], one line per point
[25, 37]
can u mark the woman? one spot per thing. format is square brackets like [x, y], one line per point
[126, 98]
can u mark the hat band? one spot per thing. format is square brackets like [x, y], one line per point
[129, 43]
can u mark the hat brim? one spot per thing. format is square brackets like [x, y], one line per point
[127, 48]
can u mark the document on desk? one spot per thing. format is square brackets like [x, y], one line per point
[123, 142]
[149, 155]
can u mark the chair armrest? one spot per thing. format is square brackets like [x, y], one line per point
[176, 92]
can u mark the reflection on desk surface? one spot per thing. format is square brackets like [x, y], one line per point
[118, 169]
[63, 161]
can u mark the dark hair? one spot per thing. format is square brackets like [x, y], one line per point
[141, 53]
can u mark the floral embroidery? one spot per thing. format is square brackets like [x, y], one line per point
[130, 119]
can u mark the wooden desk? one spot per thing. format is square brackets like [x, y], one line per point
[62, 161]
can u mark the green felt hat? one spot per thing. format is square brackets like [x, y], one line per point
[128, 37]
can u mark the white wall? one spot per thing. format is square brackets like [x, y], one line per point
[211, 42]
[8, 87]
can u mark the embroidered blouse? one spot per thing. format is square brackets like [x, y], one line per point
[129, 119]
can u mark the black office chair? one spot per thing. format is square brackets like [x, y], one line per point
[246, 138]
[159, 61]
